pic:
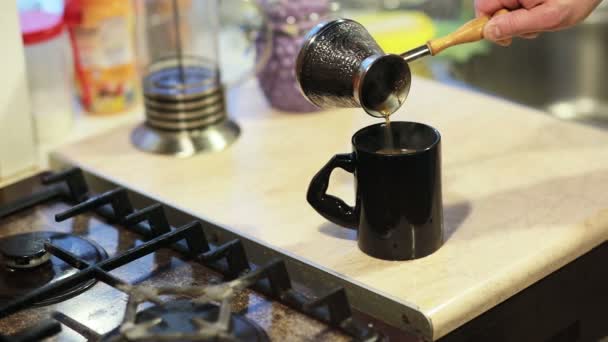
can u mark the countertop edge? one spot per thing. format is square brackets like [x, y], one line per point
[568, 252]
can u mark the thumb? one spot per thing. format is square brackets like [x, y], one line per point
[522, 21]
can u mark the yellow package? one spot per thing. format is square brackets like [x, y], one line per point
[106, 70]
[398, 31]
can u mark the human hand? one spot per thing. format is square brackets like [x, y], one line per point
[528, 18]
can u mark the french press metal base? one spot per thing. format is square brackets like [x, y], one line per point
[185, 110]
[186, 143]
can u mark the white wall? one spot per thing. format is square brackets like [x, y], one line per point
[17, 148]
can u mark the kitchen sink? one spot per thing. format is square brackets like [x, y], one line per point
[563, 73]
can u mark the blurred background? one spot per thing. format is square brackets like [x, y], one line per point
[561, 72]
[85, 59]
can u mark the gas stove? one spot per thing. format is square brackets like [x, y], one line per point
[78, 265]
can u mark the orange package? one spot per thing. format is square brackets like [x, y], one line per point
[105, 58]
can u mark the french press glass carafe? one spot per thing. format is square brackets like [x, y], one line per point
[182, 91]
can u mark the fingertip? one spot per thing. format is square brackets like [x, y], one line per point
[506, 42]
[492, 32]
[530, 35]
[487, 7]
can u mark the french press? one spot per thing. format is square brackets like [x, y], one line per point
[183, 94]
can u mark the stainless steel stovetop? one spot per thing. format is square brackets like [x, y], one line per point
[82, 266]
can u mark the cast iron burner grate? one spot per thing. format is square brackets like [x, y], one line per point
[188, 321]
[271, 279]
[197, 318]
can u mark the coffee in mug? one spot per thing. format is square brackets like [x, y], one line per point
[398, 211]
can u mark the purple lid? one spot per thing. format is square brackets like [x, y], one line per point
[300, 10]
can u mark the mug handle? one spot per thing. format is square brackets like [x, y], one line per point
[331, 207]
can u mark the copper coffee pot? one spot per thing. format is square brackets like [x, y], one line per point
[341, 65]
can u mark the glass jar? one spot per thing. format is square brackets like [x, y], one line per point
[49, 73]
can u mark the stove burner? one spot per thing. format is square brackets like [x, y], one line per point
[28, 266]
[183, 319]
[24, 250]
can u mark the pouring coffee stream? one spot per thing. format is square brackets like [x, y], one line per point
[340, 65]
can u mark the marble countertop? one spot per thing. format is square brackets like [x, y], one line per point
[524, 194]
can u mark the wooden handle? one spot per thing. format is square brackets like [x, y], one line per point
[472, 31]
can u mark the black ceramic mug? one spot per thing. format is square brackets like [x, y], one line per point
[398, 211]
